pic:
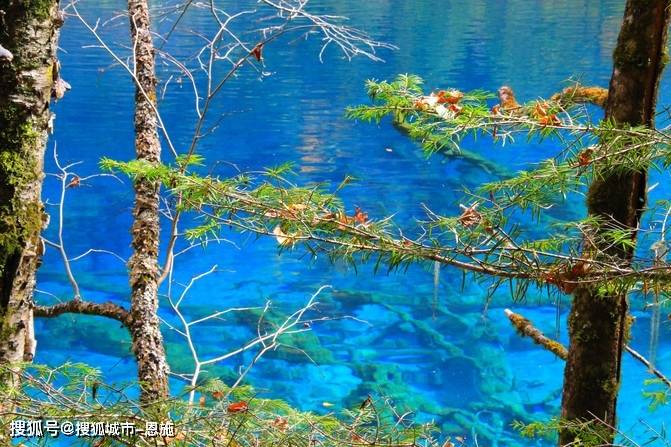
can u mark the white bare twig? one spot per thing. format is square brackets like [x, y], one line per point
[96, 250]
[67, 180]
[93, 29]
[266, 341]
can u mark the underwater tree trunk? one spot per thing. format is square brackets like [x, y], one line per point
[599, 321]
[27, 70]
[143, 264]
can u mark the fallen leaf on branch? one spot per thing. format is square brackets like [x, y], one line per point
[283, 238]
[360, 217]
[507, 99]
[450, 96]
[426, 102]
[296, 208]
[257, 52]
[272, 214]
[585, 157]
[280, 423]
[549, 120]
[470, 217]
[455, 109]
[544, 117]
[238, 407]
[344, 220]
[419, 104]
[75, 182]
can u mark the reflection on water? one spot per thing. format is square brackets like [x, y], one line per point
[442, 357]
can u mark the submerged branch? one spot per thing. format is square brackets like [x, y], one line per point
[473, 157]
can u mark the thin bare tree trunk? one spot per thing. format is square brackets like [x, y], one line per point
[28, 38]
[599, 321]
[143, 265]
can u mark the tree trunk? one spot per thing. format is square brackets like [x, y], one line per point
[27, 73]
[143, 265]
[598, 322]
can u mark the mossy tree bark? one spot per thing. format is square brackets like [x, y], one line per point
[28, 36]
[143, 265]
[599, 322]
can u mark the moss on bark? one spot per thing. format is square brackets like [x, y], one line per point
[30, 31]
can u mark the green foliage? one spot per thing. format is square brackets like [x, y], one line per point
[587, 433]
[223, 416]
[657, 392]
[398, 99]
[480, 238]
[488, 235]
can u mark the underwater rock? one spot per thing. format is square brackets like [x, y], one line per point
[363, 355]
[351, 299]
[459, 376]
[88, 333]
[329, 383]
[425, 330]
[301, 348]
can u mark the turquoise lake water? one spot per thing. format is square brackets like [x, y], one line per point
[449, 360]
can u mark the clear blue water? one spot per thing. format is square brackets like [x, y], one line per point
[406, 351]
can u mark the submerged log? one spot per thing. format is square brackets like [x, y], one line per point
[474, 158]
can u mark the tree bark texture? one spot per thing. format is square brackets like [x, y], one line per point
[143, 264]
[28, 69]
[599, 321]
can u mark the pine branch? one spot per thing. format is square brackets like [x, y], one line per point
[477, 240]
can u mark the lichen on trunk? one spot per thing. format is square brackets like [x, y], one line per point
[29, 37]
[143, 264]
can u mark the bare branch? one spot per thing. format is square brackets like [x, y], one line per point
[79, 306]
[526, 328]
